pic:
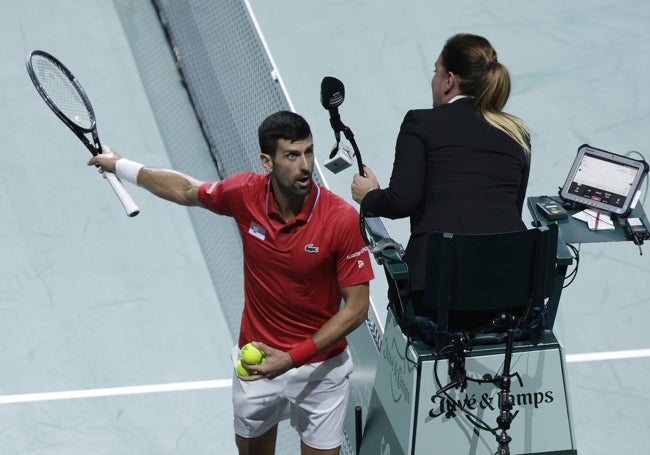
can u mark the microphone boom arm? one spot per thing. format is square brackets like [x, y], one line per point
[349, 135]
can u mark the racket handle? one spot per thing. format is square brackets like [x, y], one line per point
[123, 195]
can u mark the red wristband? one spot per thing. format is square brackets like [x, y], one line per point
[303, 352]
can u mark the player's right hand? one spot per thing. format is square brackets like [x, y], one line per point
[106, 160]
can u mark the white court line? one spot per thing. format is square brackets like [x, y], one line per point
[116, 391]
[223, 383]
[611, 355]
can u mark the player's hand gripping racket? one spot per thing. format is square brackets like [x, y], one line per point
[65, 96]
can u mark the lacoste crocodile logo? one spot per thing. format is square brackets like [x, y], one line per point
[310, 248]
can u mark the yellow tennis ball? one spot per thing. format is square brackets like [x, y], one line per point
[241, 371]
[251, 355]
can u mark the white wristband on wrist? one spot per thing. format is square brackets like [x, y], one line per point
[128, 170]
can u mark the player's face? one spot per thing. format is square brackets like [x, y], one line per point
[291, 167]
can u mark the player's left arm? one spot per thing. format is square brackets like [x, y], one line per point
[349, 317]
[352, 314]
[353, 266]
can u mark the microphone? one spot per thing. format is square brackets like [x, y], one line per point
[332, 94]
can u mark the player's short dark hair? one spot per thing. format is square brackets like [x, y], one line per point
[281, 125]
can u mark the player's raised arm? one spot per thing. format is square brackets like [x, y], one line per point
[165, 183]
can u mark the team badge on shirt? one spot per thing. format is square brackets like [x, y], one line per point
[257, 230]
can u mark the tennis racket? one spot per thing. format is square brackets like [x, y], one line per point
[64, 95]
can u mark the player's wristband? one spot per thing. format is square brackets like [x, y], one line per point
[303, 352]
[128, 170]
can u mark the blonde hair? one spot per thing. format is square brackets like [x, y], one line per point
[473, 59]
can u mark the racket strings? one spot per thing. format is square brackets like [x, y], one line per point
[62, 92]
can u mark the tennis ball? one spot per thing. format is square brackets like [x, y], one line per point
[251, 355]
[241, 371]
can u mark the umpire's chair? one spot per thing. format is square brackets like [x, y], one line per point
[492, 300]
[483, 289]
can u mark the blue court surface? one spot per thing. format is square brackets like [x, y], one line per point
[113, 337]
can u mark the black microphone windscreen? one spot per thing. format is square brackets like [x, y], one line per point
[332, 92]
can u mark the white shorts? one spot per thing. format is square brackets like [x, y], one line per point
[314, 397]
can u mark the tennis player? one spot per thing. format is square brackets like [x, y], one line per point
[303, 255]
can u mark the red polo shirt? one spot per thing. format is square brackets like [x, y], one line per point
[293, 271]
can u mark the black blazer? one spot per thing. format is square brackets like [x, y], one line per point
[453, 172]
